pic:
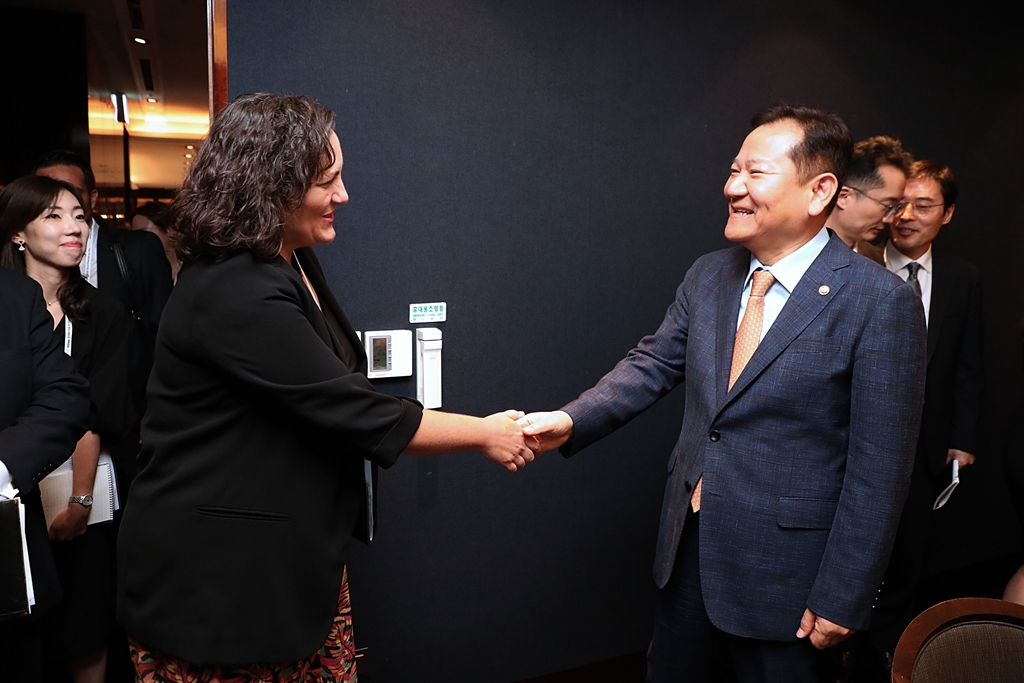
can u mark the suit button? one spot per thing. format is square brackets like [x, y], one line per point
[714, 435]
[688, 486]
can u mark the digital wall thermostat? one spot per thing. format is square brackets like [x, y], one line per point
[388, 353]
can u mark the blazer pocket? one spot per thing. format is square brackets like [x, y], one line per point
[807, 513]
[245, 515]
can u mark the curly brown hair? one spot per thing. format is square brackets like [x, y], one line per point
[262, 154]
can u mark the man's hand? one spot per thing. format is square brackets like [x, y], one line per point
[823, 632]
[69, 523]
[962, 457]
[505, 444]
[548, 430]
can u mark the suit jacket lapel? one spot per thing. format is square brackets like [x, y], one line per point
[804, 304]
[341, 331]
[734, 277]
[942, 291]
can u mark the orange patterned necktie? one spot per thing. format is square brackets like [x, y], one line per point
[748, 336]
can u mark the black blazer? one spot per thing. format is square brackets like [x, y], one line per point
[952, 407]
[44, 406]
[954, 379]
[100, 352]
[151, 281]
[232, 544]
[954, 383]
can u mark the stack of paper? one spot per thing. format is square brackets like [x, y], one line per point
[16, 593]
[56, 489]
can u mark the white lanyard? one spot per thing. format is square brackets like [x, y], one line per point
[68, 330]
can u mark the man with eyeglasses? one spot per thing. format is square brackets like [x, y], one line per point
[950, 290]
[870, 198]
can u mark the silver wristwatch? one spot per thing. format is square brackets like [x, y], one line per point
[85, 501]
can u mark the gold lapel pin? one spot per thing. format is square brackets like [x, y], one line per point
[824, 290]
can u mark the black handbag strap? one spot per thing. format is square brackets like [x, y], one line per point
[122, 265]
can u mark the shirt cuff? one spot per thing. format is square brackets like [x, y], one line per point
[7, 489]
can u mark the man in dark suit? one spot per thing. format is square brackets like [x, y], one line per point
[803, 368]
[950, 289]
[870, 197]
[148, 271]
[44, 410]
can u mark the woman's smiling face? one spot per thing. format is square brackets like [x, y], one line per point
[57, 237]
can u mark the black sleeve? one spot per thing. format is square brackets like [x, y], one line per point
[968, 381]
[256, 331]
[45, 433]
[156, 282]
[106, 368]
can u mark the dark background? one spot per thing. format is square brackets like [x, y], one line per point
[551, 169]
[45, 87]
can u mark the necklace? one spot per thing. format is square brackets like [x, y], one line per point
[50, 303]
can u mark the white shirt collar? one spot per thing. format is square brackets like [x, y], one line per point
[88, 265]
[789, 269]
[897, 261]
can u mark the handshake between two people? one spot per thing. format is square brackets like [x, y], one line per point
[515, 438]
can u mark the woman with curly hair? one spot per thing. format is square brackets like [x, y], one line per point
[262, 432]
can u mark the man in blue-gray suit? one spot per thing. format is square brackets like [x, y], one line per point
[804, 366]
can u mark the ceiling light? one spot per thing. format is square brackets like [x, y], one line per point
[151, 100]
[120, 102]
[188, 156]
[140, 41]
[190, 146]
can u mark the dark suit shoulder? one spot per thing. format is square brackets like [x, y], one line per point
[728, 255]
[104, 306]
[870, 275]
[237, 280]
[955, 264]
[716, 265]
[141, 240]
[17, 288]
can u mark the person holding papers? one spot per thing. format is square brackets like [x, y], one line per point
[43, 232]
[44, 409]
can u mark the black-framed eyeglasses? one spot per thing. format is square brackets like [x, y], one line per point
[890, 209]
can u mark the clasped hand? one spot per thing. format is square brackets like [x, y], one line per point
[506, 445]
[546, 431]
[519, 438]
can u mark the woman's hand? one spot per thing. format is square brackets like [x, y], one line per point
[69, 523]
[505, 444]
[497, 436]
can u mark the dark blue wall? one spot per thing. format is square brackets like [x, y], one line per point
[551, 169]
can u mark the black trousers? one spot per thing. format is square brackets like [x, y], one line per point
[686, 646]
